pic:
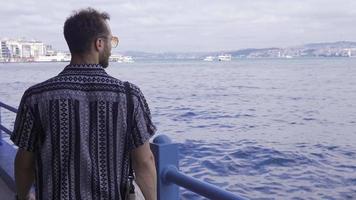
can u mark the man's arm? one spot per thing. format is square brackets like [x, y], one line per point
[24, 173]
[143, 164]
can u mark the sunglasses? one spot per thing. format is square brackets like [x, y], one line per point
[114, 40]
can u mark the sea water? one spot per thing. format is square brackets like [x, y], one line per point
[260, 128]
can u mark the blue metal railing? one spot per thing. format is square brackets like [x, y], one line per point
[7, 153]
[169, 177]
[3, 128]
[167, 164]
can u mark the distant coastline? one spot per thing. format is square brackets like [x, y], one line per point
[313, 50]
[28, 51]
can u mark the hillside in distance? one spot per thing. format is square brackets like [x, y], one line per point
[325, 49]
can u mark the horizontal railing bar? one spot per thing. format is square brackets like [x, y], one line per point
[3, 128]
[10, 108]
[172, 175]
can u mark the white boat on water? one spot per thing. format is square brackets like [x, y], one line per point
[58, 57]
[121, 59]
[128, 59]
[209, 58]
[225, 57]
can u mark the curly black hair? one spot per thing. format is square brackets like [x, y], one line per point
[83, 27]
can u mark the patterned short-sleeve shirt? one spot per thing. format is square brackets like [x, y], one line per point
[75, 123]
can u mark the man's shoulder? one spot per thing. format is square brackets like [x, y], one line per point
[135, 90]
[29, 91]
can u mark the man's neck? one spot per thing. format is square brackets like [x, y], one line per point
[83, 59]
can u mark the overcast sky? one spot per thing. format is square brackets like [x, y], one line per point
[190, 25]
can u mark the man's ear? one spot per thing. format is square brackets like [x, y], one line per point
[99, 44]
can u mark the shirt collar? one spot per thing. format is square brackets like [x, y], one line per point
[84, 66]
[82, 69]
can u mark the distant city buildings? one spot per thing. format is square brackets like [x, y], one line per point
[303, 52]
[21, 50]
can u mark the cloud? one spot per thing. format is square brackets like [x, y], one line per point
[186, 25]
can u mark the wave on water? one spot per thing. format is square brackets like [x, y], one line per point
[256, 171]
[209, 115]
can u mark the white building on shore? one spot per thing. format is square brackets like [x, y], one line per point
[21, 50]
[17, 50]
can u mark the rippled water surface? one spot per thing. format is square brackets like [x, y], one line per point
[263, 129]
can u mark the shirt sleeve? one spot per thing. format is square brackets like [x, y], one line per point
[143, 127]
[24, 134]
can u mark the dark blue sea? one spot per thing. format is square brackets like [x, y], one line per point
[261, 128]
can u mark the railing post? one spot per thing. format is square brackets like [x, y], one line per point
[166, 154]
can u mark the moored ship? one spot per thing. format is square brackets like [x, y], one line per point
[224, 57]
